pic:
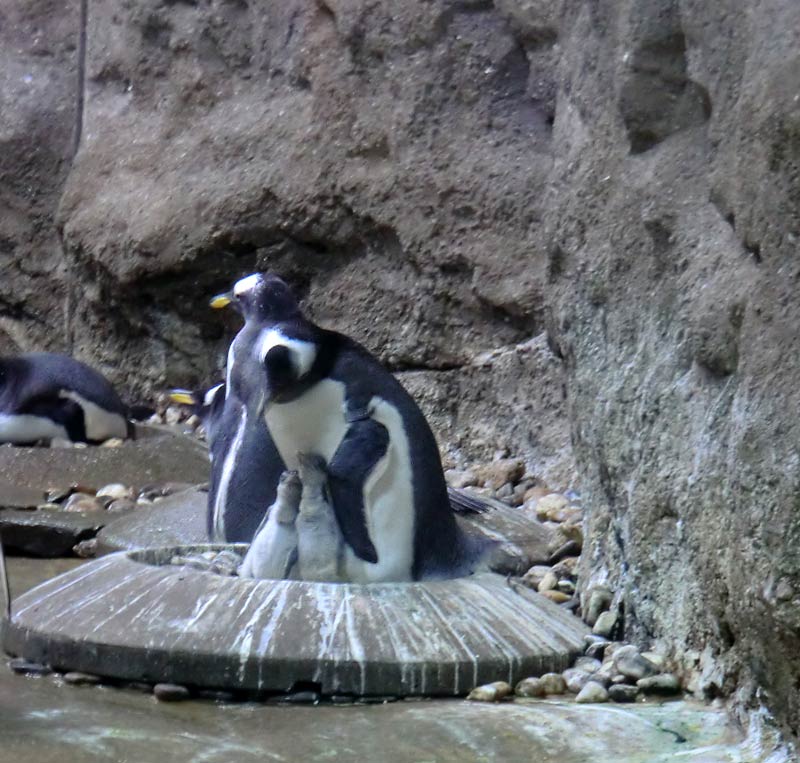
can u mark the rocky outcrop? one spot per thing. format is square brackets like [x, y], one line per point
[498, 198]
[673, 257]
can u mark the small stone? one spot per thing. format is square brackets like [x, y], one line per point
[173, 415]
[576, 679]
[605, 624]
[499, 472]
[21, 665]
[534, 576]
[114, 491]
[559, 597]
[630, 663]
[170, 692]
[493, 692]
[566, 586]
[572, 532]
[49, 507]
[570, 548]
[589, 664]
[597, 648]
[80, 445]
[86, 549]
[193, 421]
[622, 693]
[599, 601]
[112, 442]
[60, 442]
[535, 493]
[120, 505]
[663, 683]
[77, 678]
[460, 478]
[548, 582]
[59, 494]
[302, 698]
[82, 502]
[656, 660]
[530, 687]
[553, 683]
[550, 507]
[566, 568]
[517, 497]
[592, 692]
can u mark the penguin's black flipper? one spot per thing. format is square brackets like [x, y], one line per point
[464, 503]
[364, 445]
[61, 410]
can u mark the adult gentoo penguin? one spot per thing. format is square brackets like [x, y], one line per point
[45, 395]
[245, 464]
[320, 392]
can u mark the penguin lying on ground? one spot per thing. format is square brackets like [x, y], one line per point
[245, 464]
[44, 395]
[320, 392]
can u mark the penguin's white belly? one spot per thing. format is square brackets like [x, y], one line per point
[315, 423]
[99, 423]
[24, 428]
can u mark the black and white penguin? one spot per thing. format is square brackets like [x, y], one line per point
[245, 464]
[45, 395]
[320, 392]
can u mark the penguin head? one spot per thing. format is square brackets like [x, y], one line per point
[260, 297]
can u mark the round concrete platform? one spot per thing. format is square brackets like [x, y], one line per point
[132, 616]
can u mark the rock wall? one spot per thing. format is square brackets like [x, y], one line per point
[500, 199]
[673, 228]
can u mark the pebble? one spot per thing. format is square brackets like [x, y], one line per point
[605, 624]
[303, 698]
[499, 472]
[534, 494]
[193, 421]
[554, 683]
[114, 491]
[21, 665]
[112, 442]
[570, 548]
[548, 582]
[566, 586]
[663, 683]
[566, 567]
[592, 692]
[493, 692]
[85, 549]
[58, 494]
[589, 664]
[505, 492]
[170, 692]
[173, 415]
[530, 687]
[82, 502]
[576, 679]
[597, 648]
[518, 495]
[550, 507]
[630, 663]
[559, 597]
[77, 678]
[622, 693]
[572, 532]
[49, 506]
[657, 660]
[534, 576]
[460, 478]
[599, 602]
[121, 504]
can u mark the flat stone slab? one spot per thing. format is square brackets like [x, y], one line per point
[157, 456]
[177, 520]
[48, 533]
[131, 615]
[181, 520]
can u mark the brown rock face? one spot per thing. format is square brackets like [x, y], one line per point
[497, 198]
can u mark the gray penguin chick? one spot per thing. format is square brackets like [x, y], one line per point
[273, 552]
[320, 544]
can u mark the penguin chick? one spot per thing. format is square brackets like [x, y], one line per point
[44, 395]
[320, 546]
[273, 552]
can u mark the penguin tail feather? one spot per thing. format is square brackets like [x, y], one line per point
[463, 502]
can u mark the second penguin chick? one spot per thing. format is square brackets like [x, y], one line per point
[273, 552]
[320, 544]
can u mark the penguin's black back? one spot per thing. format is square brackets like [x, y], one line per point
[37, 375]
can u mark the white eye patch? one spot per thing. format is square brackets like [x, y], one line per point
[302, 353]
[243, 285]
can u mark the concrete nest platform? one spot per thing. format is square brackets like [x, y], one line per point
[133, 616]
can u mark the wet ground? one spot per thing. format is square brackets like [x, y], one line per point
[42, 719]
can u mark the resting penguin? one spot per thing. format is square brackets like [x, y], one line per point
[44, 395]
[321, 392]
[245, 464]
